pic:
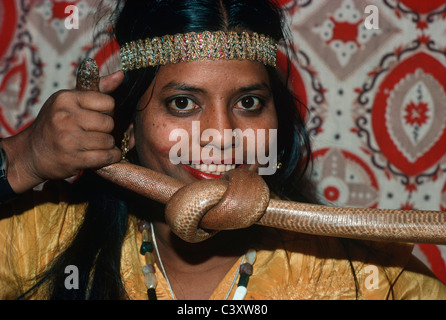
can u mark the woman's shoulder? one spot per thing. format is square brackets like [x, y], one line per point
[48, 205]
[33, 228]
[316, 267]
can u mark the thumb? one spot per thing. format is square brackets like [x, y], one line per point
[88, 78]
[109, 83]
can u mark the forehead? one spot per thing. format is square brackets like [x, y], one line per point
[217, 74]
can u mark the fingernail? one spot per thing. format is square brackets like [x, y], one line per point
[88, 76]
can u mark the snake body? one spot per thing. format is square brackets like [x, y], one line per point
[241, 198]
[197, 211]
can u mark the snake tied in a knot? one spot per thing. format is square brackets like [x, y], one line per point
[241, 198]
[237, 200]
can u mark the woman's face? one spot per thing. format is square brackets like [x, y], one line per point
[187, 101]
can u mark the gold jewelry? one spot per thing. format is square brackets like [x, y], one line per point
[194, 46]
[125, 146]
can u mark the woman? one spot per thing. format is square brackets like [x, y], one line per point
[118, 242]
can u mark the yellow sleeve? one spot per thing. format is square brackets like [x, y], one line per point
[417, 282]
[33, 230]
[394, 273]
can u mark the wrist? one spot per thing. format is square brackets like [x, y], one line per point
[19, 163]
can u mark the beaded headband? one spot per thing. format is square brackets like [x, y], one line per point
[193, 46]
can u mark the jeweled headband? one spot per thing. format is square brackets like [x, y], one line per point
[194, 46]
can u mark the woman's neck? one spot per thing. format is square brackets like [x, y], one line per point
[195, 270]
[224, 244]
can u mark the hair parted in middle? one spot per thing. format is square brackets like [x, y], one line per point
[156, 18]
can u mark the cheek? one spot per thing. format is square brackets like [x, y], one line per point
[270, 124]
[273, 123]
[152, 142]
[266, 123]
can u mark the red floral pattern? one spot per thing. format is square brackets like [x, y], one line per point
[416, 114]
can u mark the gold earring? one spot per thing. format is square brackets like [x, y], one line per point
[125, 146]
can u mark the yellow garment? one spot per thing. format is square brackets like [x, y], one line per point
[293, 266]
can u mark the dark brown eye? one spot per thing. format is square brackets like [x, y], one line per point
[249, 103]
[181, 103]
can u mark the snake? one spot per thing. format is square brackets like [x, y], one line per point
[241, 198]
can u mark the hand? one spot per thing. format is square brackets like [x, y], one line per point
[71, 133]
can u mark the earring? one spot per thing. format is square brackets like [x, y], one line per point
[125, 146]
[278, 161]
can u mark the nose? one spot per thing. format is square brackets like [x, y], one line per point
[217, 125]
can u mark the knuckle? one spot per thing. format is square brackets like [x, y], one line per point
[108, 103]
[116, 156]
[66, 139]
[113, 156]
[107, 142]
[96, 101]
[60, 119]
[110, 141]
[109, 99]
[109, 124]
[104, 159]
[62, 97]
[109, 159]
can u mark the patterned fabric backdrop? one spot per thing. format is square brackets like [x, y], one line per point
[376, 97]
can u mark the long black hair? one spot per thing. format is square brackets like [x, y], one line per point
[96, 248]
[261, 16]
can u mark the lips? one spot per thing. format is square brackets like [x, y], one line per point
[209, 171]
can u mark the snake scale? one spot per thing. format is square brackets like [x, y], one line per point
[240, 198]
[191, 210]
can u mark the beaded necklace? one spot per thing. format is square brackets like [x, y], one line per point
[149, 245]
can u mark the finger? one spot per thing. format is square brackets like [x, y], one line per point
[88, 76]
[93, 121]
[111, 82]
[98, 141]
[95, 101]
[98, 158]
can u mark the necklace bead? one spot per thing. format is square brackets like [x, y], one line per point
[251, 256]
[151, 293]
[246, 268]
[150, 259]
[148, 245]
[148, 270]
[150, 281]
[143, 225]
[240, 293]
[146, 236]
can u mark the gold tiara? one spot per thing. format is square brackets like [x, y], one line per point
[194, 46]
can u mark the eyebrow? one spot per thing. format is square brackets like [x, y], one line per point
[182, 87]
[255, 87]
[186, 87]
